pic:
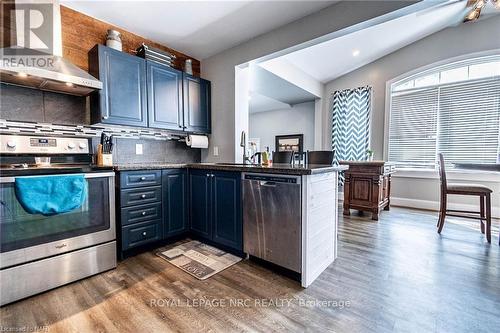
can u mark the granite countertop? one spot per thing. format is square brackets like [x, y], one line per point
[372, 163]
[311, 169]
[149, 166]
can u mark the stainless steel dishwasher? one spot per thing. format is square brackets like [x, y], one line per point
[272, 218]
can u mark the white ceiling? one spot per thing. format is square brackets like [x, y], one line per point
[198, 28]
[331, 59]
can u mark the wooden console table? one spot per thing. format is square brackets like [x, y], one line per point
[367, 186]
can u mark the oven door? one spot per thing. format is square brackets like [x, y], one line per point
[26, 237]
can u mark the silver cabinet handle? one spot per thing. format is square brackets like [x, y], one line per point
[212, 175]
[61, 246]
[143, 213]
[143, 196]
[144, 233]
[143, 178]
[208, 175]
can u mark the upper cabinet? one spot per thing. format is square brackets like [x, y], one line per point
[137, 92]
[164, 97]
[122, 100]
[197, 104]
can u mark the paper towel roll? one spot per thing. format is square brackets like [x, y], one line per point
[197, 141]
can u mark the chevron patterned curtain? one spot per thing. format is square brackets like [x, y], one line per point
[351, 124]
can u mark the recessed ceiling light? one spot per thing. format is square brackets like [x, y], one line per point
[69, 84]
[22, 74]
[355, 53]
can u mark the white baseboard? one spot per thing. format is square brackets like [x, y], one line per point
[434, 205]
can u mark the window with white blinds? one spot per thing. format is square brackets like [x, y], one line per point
[468, 122]
[413, 127]
[457, 115]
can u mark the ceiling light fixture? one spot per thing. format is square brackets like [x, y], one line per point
[477, 6]
[21, 74]
[474, 15]
[69, 84]
[480, 3]
[355, 53]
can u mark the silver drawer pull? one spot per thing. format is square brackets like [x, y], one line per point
[61, 246]
[143, 213]
[143, 196]
[144, 233]
[143, 178]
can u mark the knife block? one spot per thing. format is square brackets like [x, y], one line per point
[103, 159]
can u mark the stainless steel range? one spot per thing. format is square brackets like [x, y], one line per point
[40, 252]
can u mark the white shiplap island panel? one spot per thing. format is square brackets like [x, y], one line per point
[319, 224]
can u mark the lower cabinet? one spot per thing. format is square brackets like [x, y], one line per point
[148, 214]
[199, 203]
[215, 205]
[175, 208]
[155, 205]
[141, 234]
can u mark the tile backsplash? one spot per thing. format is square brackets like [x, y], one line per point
[29, 111]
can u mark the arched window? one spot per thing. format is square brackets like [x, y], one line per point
[453, 109]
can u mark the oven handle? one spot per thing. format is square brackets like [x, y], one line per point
[85, 175]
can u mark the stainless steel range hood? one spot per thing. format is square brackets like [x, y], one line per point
[44, 71]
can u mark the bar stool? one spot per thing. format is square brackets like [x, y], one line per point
[282, 157]
[320, 157]
[483, 192]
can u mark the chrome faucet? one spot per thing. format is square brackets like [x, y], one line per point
[243, 144]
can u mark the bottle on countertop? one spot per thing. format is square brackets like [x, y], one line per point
[265, 157]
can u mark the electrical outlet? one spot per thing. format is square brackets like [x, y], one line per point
[216, 151]
[138, 149]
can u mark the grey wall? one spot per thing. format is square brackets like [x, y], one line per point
[219, 69]
[448, 43]
[297, 120]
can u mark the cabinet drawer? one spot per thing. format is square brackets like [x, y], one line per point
[135, 214]
[140, 234]
[140, 178]
[142, 195]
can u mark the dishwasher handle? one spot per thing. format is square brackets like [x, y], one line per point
[268, 180]
[267, 183]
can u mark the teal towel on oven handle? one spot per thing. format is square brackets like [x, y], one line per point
[51, 195]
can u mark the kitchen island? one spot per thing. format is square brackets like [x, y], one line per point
[283, 214]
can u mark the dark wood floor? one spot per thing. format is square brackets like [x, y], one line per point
[397, 274]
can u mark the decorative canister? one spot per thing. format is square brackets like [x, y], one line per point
[188, 66]
[114, 40]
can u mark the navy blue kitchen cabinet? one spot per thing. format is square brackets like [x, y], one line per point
[197, 104]
[200, 203]
[215, 199]
[175, 206]
[226, 205]
[139, 212]
[164, 85]
[123, 97]
[137, 92]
